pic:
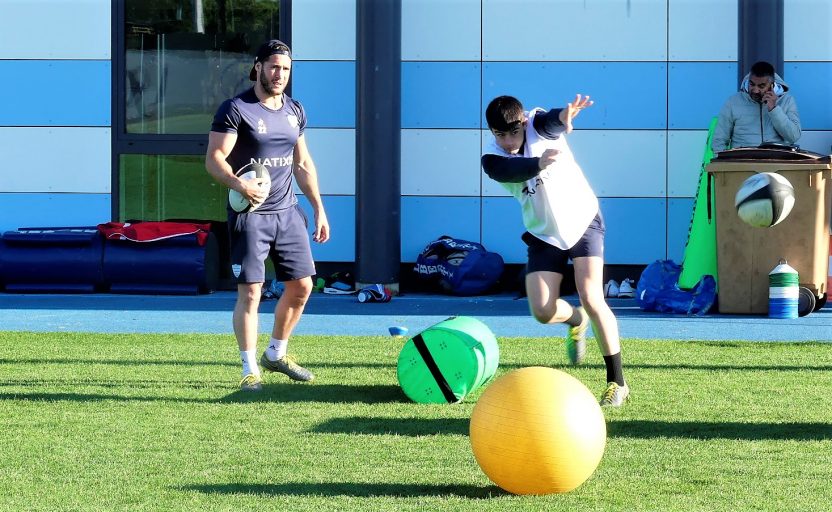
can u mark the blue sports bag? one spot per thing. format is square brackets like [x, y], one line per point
[459, 267]
[657, 290]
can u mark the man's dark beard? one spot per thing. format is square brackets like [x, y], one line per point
[267, 85]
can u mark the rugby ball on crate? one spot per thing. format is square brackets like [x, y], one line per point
[251, 171]
[764, 199]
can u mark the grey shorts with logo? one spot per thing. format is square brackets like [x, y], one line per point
[545, 257]
[281, 236]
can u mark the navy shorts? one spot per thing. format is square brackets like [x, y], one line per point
[546, 257]
[281, 236]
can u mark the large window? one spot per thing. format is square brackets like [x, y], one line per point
[183, 57]
[174, 62]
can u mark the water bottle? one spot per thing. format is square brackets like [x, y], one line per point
[374, 293]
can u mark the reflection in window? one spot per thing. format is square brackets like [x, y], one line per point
[168, 187]
[184, 57]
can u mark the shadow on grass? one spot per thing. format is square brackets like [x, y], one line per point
[730, 368]
[279, 393]
[327, 393]
[115, 384]
[642, 429]
[87, 397]
[321, 366]
[413, 427]
[680, 366]
[354, 489]
[625, 429]
[120, 362]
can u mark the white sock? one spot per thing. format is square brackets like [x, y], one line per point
[249, 359]
[277, 349]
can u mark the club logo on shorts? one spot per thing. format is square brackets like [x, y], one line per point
[236, 269]
[293, 120]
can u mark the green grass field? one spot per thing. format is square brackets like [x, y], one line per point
[155, 422]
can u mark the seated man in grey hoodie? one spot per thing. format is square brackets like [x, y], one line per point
[761, 112]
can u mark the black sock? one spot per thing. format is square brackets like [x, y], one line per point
[614, 371]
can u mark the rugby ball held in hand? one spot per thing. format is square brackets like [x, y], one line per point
[251, 171]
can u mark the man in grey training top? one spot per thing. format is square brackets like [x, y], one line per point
[761, 112]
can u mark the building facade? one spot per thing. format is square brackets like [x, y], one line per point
[106, 115]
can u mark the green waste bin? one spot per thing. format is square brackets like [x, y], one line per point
[447, 361]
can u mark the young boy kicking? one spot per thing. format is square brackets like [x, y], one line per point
[529, 157]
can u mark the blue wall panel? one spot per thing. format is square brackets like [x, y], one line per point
[636, 230]
[440, 95]
[333, 151]
[76, 159]
[425, 219]
[627, 94]
[622, 163]
[809, 82]
[81, 93]
[702, 30]
[574, 30]
[685, 149]
[502, 226]
[452, 167]
[340, 211]
[53, 210]
[819, 142]
[806, 34]
[441, 30]
[697, 91]
[55, 29]
[322, 29]
[679, 213]
[327, 92]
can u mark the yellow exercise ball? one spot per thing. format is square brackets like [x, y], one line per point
[538, 430]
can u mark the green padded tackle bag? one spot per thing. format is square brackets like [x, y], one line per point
[447, 361]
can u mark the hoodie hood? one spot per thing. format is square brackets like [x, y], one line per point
[780, 86]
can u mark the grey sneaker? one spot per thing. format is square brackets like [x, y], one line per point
[615, 395]
[626, 289]
[576, 340]
[251, 382]
[288, 366]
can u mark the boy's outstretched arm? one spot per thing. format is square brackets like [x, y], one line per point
[573, 109]
[510, 170]
[548, 124]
